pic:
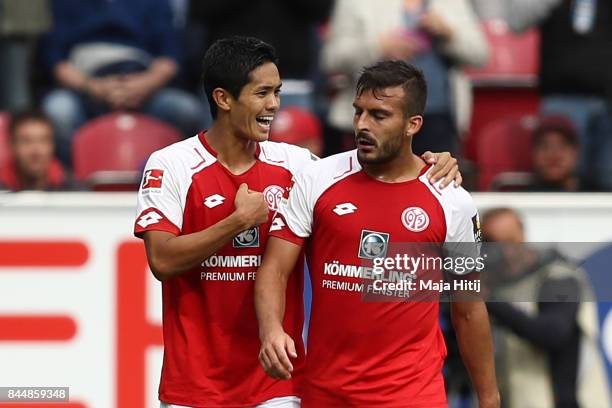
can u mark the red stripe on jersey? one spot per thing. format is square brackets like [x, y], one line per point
[279, 229]
[349, 169]
[152, 219]
[202, 157]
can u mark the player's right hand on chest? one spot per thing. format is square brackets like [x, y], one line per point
[251, 206]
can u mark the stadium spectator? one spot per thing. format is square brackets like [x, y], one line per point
[32, 165]
[20, 23]
[438, 36]
[545, 322]
[299, 127]
[576, 72]
[555, 156]
[291, 26]
[114, 55]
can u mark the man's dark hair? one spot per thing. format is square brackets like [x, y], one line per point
[387, 74]
[19, 118]
[557, 124]
[228, 63]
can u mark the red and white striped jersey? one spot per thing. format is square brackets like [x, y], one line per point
[363, 352]
[210, 330]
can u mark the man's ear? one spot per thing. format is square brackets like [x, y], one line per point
[413, 125]
[223, 99]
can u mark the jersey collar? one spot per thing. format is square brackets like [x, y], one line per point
[213, 152]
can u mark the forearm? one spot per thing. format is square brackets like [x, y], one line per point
[69, 76]
[471, 323]
[467, 44]
[161, 71]
[270, 289]
[271, 284]
[178, 254]
[550, 329]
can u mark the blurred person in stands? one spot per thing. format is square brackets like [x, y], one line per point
[544, 319]
[20, 24]
[291, 26]
[438, 36]
[575, 72]
[555, 156]
[299, 127]
[114, 55]
[32, 165]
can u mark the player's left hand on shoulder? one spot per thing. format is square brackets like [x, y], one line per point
[446, 167]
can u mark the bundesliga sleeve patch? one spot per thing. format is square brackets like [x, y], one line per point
[153, 179]
[477, 230]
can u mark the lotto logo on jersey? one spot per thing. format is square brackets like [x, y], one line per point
[277, 224]
[247, 239]
[373, 244]
[152, 179]
[149, 218]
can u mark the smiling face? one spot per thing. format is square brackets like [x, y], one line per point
[251, 114]
[382, 128]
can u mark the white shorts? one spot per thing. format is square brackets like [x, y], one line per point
[281, 402]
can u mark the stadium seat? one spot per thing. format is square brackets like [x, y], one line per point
[504, 151]
[110, 151]
[513, 58]
[507, 85]
[299, 127]
[4, 143]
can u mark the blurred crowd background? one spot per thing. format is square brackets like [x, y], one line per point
[519, 90]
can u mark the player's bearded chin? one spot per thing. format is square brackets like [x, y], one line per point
[382, 152]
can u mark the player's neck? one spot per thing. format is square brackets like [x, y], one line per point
[405, 167]
[235, 153]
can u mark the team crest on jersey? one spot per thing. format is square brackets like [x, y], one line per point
[273, 196]
[415, 219]
[152, 181]
[373, 244]
[247, 239]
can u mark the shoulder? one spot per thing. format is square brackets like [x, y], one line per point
[288, 156]
[333, 167]
[188, 155]
[316, 178]
[454, 200]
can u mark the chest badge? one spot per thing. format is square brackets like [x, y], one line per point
[247, 239]
[273, 196]
[415, 219]
[373, 244]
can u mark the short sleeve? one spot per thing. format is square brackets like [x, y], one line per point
[159, 199]
[293, 221]
[463, 235]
